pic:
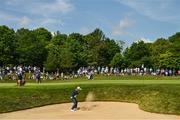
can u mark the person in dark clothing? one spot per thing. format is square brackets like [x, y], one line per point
[75, 92]
[37, 74]
[21, 76]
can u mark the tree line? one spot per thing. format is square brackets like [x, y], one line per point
[162, 53]
[39, 47]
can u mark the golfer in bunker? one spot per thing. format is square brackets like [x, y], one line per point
[75, 92]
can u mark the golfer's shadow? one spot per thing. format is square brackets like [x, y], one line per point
[87, 107]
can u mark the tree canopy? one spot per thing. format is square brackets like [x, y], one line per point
[39, 47]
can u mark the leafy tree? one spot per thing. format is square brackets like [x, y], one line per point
[31, 47]
[78, 38]
[25, 46]
[138, 54]
[54, 58]
[67, 59]
[175, 43]
[42, 35]
[175, 37]
[43, 38]
[118, 61]
[77, 46]
[94, 41]
[7, 46]
[61, 58]
[112, 47]
[59, 39]
[94, 38]
[160, 46]
[175, 48]
[101, 50]
[167, 60]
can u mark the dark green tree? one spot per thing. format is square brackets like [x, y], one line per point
[54, 58]
[94, 41]
[160, 46]
[175, 48]
[168, 60]
[118, 61]
[43, 38]
[7, 46]
[42, 35]
[61, 58]
[101, 50]
[78, 47]
[31, 47]
[138, 54]
[112, 47]
[59, 39]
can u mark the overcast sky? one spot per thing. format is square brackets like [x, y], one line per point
[127, 20]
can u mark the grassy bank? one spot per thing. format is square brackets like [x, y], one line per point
[160, 98]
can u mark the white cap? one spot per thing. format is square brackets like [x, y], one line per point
[78, 88]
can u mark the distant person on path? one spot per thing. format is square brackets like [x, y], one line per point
[75, 92]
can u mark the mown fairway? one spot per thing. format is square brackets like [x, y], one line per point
[154, 94]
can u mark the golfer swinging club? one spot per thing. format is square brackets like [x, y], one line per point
[75, 92]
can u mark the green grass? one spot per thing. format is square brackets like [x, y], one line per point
[105, 77]
[160, 95]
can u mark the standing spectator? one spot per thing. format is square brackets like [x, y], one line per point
[37, 73]
[21, 79]
[1, 75]
[62, 75]
[47, 75]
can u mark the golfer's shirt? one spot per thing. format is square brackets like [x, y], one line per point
[74, 94]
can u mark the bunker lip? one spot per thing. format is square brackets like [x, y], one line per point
[88, 110]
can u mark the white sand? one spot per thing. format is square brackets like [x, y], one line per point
[88, 111]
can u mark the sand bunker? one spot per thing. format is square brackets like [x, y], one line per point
[87, 111]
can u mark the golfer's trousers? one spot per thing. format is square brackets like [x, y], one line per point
[74, 103]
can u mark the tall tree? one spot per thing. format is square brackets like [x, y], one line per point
[43, 38]
[54, 58]
[31, 47]
[118, 61]
[138, 54]
[168, 60]
[59, 57]
[101, 50]
[160, 46]
[94, 41]
[78, 46]
[59, 39]
[112, 47]
[26, 46]
[42, 35]
[175, 48]
[175, 37]
[7, 46]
